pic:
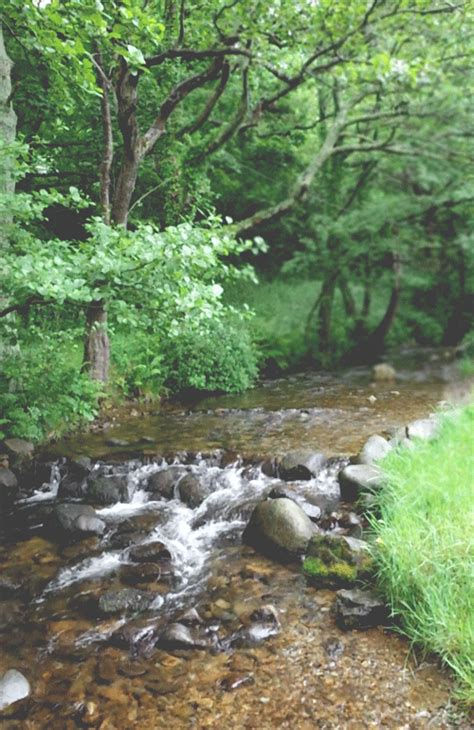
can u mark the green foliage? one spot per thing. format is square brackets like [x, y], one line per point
[42, 392]
[423, 544]
[215, 357]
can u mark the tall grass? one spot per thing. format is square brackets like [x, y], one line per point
[424, 544]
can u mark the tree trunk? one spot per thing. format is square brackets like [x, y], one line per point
[347, 297]
[372, 346]
[96, 345]
[124, 190]
[325, 311]
[7, 135]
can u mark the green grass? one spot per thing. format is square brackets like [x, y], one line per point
[281, 307]
[424, 544]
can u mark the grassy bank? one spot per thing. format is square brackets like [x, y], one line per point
[425, 544]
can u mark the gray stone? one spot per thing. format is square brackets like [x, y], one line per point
[300, 465]
[179, 636]
[14, 686]
[424, 429]
[162, 483]
[358, 609]
[74, 482]
[280, 528]
[358, 478]
[124, 601]
[149, 552]
[108, 489]
[282, 491]
[374, 449]
[74, 521]
[136, 573]
[191, 491]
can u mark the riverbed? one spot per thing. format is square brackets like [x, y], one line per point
[267, 651]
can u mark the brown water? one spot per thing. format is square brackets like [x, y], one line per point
[311, 674]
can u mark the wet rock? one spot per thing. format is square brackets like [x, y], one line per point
[124, 601]
[9, 587]
[74, 521]
[136, 573]
[191, 491]
[162, 484]
[358, 478]
[14, 686]
[191, 618]
[300, 465]
[282, 491]
[149, 552]
[11, 615]
[74, 482]
[358, 609]
[267, 614]
[138, 635]
[270, 468]
[8, 487]
[374, 449]
[279, 528]
[108, 489]
[335, 561]
[384, 372]
[179, 636]
[423, 429]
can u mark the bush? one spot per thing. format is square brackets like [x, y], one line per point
[42, 392]
[424, 547]
[216, 357]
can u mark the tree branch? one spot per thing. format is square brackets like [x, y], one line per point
[210, 104]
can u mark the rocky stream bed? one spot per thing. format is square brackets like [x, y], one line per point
[151, 572]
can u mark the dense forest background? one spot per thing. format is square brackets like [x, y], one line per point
[193, 193]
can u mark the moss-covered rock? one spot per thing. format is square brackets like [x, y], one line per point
[336, 561]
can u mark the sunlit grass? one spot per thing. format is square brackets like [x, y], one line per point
[424, 544]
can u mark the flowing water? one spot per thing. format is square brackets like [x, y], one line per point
[267, 652]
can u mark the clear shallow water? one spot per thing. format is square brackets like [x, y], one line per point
[333, 413]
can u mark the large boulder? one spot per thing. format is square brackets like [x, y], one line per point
[300, 465]
[71, 521]
[14, 686]
[108, 489]
[334, 561]
[281, 491]
[74, 483]
[374, 449]
[19, 451]
[358, 609]
[192, 491]
[279, 528]
[162, 483]
[357, 479]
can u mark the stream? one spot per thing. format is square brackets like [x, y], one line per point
[162, 618]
